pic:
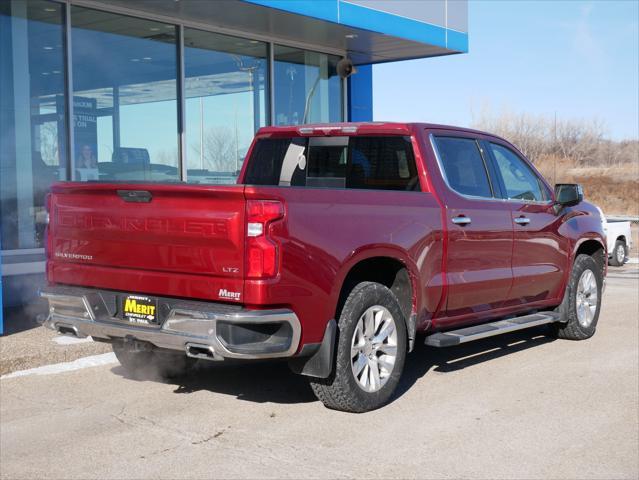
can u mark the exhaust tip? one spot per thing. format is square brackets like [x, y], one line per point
[205, 352]
[68, 330]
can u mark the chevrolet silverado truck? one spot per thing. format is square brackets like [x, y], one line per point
[340, 246]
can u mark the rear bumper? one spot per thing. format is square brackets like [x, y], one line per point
[211, 331]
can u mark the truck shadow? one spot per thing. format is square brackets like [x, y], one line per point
[260, 382]
[272, 381]
[424, 359]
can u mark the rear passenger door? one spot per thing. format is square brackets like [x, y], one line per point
[480, 231]
[540, 254]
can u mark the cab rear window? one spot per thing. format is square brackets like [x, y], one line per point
[374, 163]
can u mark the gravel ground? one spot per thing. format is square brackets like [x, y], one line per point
[36, 347]
[516, 406]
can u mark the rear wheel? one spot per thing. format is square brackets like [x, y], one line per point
[371, 349]
[618, 254]
[152, 363]
[582, 301]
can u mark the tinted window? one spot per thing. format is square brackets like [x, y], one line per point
[327, 158]
[520, 181]
[383, 163]
[380, 163]
[277, 162]
[463, 166]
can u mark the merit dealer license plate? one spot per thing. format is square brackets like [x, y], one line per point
[140, 309]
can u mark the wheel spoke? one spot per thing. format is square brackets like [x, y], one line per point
[359, 364]
[374, 374]
[364, 377]
[369, 323]
[388, 349]
[385, 365]
[358, 340]
[387, 328]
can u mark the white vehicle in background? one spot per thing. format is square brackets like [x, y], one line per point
[619, 240]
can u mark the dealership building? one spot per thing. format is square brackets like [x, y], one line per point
[178, 88]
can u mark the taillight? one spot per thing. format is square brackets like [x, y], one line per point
[262, 253]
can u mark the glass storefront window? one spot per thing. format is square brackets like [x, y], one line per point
[124, 97]
[32, 116]
[225, 92]
[307, 87]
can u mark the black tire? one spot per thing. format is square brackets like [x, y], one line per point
[341, 390]
[570, 328]
[152, 363]
[618, 251]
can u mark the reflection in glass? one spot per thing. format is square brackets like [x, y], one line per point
[125, 97]
[225, 97]
[307, 87]
[32, 116]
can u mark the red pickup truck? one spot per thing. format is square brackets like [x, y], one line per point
[339, 245]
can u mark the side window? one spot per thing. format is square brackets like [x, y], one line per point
[464, 166]
[382, 163]
[520, 181]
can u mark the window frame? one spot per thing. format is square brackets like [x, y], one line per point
[495, 188]
[543, 186]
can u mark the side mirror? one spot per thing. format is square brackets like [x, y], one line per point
[568, 194]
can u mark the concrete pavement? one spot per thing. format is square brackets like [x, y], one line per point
[516, 406]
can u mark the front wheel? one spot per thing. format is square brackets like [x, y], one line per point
[618, 254]
[371, 350]
[582, 301]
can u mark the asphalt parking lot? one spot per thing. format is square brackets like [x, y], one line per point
[516, 406]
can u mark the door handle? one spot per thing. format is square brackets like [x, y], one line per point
[522, 220]
[461, 220]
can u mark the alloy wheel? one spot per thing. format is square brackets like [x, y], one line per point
[586, 298]
[374, 348]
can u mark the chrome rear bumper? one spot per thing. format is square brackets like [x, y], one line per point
[212, 331]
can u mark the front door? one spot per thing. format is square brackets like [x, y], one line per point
[540, 254]
[480, 231]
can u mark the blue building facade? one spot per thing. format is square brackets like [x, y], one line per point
[180, 86]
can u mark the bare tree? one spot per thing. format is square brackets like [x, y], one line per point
[220, 150]
[582, 142]
[167, 157]
[49, 143]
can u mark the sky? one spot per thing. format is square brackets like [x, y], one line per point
[576, 59]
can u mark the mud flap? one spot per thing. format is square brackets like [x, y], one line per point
[319, 363]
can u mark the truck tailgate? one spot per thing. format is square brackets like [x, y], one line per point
[173, 240]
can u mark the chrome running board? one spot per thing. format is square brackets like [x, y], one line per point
[484, 330]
